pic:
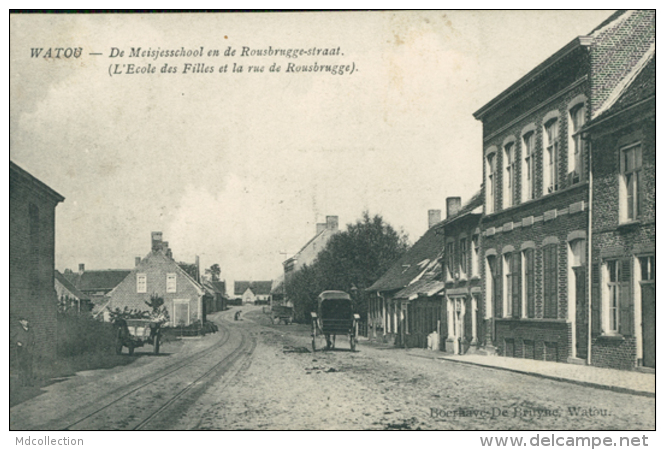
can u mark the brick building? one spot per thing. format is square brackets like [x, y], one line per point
[158, 274]
[32, 257]
[461, 274]
[622, 138]
[536, 191]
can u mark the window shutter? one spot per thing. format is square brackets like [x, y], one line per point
[498, 291]
[517, 285]
[595, 299]
[625, 298]
[529, 275]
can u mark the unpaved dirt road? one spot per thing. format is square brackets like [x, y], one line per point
[264, 376]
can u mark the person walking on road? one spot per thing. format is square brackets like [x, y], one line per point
[22, 342]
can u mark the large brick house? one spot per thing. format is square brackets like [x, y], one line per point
[622, 136]
[158, 274]
[535, 252]
[32, 294]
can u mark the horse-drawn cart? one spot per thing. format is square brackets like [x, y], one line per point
[334, 316]
[282, 314]
[134, 333]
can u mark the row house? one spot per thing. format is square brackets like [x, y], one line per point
[32, 295]
[405, 303]
[252, 292]
[69, 297]
[96, 284]
[159, 274]
[621, 136]
[536, 193]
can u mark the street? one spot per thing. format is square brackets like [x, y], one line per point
[254, 375]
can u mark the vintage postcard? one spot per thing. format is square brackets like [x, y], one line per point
[376, 220]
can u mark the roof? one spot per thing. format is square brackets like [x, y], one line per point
[16, 171]
[421, 287]
[97, 280]
[638, 85]
[333, 295]
[69, 286]
[219, 286]
[580, 41]
[421, 262]
[257, 287]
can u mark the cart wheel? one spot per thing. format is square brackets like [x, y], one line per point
[328, 342]
[130, 348]
[155, 347]
[313, 344]
[353, 343]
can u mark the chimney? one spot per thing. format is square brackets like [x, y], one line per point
[332, 223]
[320, 227]
[453, 205]
[156, 241]
[137, 261]
[433, 217]
[198, 268]
[81, 268]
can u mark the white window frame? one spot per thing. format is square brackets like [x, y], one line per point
[450, 260]
[630, 187]
[141, 283]
[507, 285]
[551, 155]
[528, 165]
[475, 255]
[509, 174]
[171, 283]
[576, 120]
[463, 257]
[490, 186]
[611, 296]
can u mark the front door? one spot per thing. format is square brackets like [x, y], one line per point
[458, 313]
[648, 324]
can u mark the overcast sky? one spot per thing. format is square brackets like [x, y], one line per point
[238, 168]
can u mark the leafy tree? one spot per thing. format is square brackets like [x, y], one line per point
[351, 261]
[215, 271]
[191, 269]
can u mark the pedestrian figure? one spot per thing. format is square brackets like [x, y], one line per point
[22, 341]
[237, 316]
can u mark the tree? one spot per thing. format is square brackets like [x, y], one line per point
[215, 271]
[351, 261]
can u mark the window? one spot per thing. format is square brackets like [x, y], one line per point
[509, 174]
[613, 290]
[529, 282]
[551, 157]
[528, 184]
[170, 282]
[475, 255]
[490, 189]
[513, 299]
[629, 192]
[648, 268]
[450, 258]
[141, 283]
[463, 255]
[550, 287]
[617, 301]
[576, 144]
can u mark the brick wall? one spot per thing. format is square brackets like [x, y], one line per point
[550, 339]
[31, 280]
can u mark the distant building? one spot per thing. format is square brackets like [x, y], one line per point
[96, 284]
[32, 295]
[158, 274]
[251, 291]
[308, 253]
[69, 297]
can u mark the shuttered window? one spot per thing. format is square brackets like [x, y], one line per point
[550, 288]
[529, 283]
[618, 298]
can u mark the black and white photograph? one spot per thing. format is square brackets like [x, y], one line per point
[333, 220]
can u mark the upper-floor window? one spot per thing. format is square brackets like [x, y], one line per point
[631, 183]
[490, 189]
[170, 282]
[463, 255]
[475, 255]
[576, 144]
[551, 157]
[450, 258]
[509, 174]
[141, 283]
[528, 174]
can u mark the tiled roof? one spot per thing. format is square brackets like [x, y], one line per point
[219, 286]
[97, 280]
[421, 262]
[420, 287]
[70, 287]
[257, 287]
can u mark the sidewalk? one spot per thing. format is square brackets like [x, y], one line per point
[629, 382]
